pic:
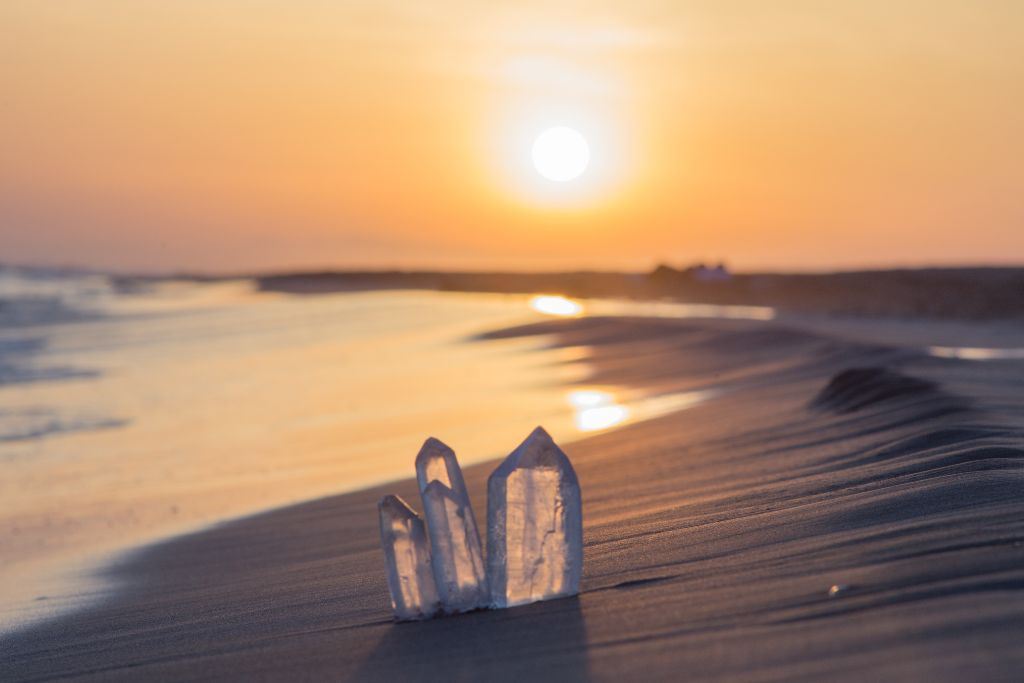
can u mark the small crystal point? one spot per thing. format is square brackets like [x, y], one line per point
[407, 555]
[457, 555]
[534, 525]
[437, 462]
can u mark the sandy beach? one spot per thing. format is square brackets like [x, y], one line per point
[758, 268]
[835, 510]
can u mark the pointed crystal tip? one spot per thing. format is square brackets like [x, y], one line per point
[436, 488]
[432, 451]
[539, 434]
[396, 506]
[433, 447]
[539, 450]
[436, 461]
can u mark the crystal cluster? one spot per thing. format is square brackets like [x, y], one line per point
[534, 534]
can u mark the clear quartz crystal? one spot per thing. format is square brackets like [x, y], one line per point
[407, 555]
[534, 525]
[457, 555]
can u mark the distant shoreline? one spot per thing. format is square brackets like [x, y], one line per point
[937, 293]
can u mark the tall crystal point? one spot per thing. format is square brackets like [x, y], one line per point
[534, 525]
[455, 542]
[407, 555]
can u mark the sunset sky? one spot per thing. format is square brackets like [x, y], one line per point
[232, 135]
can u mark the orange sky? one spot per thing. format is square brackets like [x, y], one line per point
[252, 134]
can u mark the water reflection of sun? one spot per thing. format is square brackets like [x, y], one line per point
[596, 409]
[556, 305]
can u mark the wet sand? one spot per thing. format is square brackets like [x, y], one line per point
[712, 538]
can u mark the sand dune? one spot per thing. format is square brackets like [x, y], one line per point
[712, 539]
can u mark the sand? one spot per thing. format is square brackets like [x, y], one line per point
[712, 538]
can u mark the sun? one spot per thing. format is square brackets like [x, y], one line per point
[561, 154]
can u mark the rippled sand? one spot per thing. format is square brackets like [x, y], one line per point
[835, 511]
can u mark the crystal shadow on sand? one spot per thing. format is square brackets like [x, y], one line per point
[545, 641]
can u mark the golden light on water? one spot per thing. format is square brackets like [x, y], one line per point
[556, 305]
[596, 409]
[973, 353]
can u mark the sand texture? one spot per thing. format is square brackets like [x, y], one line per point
[712, 537]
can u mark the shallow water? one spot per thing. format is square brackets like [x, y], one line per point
[129, 415]
[975, 353]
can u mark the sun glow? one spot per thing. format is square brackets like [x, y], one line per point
[561, 154]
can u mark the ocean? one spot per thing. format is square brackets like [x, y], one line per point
[134, 410]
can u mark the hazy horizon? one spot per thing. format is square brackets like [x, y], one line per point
[233, 137]
[427, 268]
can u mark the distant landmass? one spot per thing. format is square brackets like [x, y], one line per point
[964, 293]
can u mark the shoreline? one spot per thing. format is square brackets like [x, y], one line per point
[981, 293]
[193, 447]
[712, 538]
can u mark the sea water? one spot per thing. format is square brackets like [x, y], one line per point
[130, 411]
